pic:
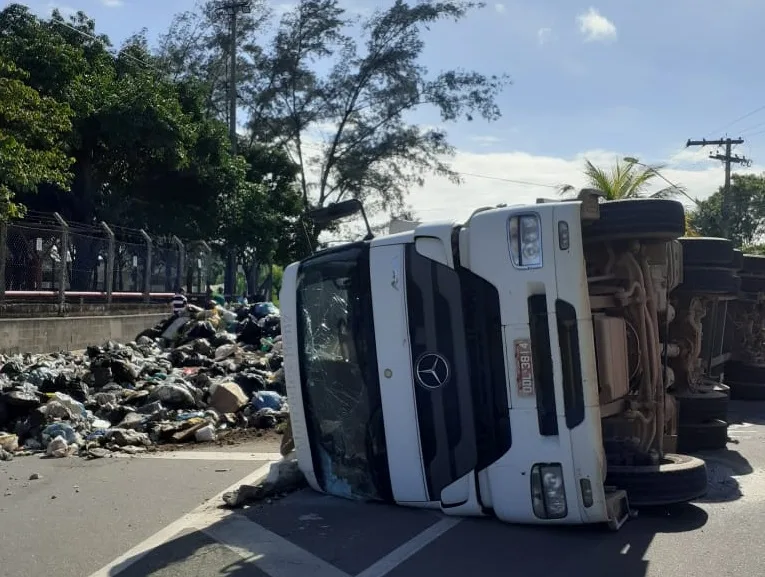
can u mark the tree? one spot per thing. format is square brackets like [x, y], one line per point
[256, 215]
[370, 151]
[740, 219]
[197, 45]
[32, 130]
[145, 153]
[313, 76]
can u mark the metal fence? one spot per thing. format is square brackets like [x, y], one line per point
[48, 258]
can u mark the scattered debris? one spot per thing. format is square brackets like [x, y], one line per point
[189, 379]
[283, 477]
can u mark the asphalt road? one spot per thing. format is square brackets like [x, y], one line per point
[123, 522]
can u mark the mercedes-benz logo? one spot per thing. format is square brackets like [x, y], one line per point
[432, 370]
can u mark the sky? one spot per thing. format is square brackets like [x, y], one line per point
[600, 81]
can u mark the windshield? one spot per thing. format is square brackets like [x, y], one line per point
[341, 389]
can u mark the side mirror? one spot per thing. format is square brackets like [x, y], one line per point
[325, 214]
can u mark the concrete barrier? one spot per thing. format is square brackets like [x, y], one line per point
[50, 334]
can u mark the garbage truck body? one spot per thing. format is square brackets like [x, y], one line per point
[508, 366]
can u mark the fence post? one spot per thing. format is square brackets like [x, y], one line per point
[63, 272]
[109, 271]
[180, 272]
[147, 272]
[3, 256]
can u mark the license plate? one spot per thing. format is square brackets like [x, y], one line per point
[524, 368]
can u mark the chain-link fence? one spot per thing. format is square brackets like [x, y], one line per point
[46, 257]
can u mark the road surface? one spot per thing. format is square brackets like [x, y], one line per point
[145, 517]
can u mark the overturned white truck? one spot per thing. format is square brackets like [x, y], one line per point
[511, 365]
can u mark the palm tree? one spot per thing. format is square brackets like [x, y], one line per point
[625, 180]
[629, 180]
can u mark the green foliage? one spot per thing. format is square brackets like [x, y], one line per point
[345, 127]
[32, 128]
[138, 137]
[625, 180]
[739, 216]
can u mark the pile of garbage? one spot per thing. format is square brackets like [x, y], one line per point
[192, 378]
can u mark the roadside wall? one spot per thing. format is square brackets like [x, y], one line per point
[50, 334]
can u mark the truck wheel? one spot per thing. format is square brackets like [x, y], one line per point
[709, 281]
[754, 264]
[678, 479]
[702, 436]
[641, 218]
[743, 391]
[705, 250]
[752, 284]
[702, 407]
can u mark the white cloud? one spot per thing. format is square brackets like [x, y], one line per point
[543, 35]
[516, 177]
[595, 27]
[696, 156]
[534, 177]
[499, 8]
[112, 3]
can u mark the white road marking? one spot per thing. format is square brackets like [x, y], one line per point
[206, 514]
[270, 552]
[393, 559]
[203, 456]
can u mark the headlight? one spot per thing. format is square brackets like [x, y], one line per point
[525, 237]
[548, 493]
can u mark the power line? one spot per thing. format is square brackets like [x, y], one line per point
[739, 119]
[502, 179]
[473, 174]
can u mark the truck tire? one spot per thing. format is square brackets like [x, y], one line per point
[738, 259]
[694, 408]
[710, 281]
[707, 251]
[754, 264]
[746, 391]
[678, 479]
[641, 218]
[752, 284]
[707, 436]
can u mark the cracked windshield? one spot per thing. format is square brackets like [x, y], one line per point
[387, 288]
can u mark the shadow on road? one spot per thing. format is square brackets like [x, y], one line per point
[482, 547]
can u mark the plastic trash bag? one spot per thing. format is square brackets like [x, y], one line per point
[267, 400]
[57, 448]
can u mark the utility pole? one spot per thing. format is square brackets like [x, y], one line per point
[727, 159]
[232, 8]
